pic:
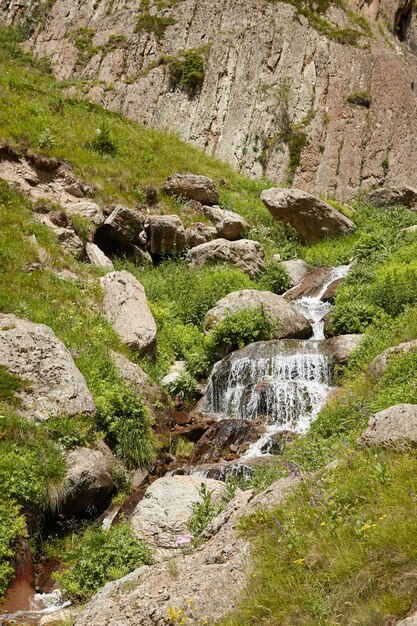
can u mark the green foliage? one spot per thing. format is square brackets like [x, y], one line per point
[238, 330]
[187, 72]
[98, 557]
[103, 142]
[71, 432]
[12, 526]
[83, 41]
[153, 24]
[184, 389]
[275, 278]
[360, 99]
[208, 507]
[10, 384]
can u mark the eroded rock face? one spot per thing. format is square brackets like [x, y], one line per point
[192, 187]
[34, 353]
[296, 269]
[310, 217]
[199, 233]
[390, 196]
[255, 48]
[379, 365]
[292, 325]
[160, 518]
[97, 257]
[246, 254]
[395, 427]
[127, 310]
[166, 234]
[229, 225]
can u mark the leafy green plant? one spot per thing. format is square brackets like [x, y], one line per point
[12, 526]
[10, 384]
[187, 72]
[184, 388]
[153, 24]
[238, 330]
[98, 557]
[275, 278]
[103, 141]
[203, 511]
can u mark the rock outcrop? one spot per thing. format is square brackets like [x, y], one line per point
[311, 218]
[138, 380]
[127, 311]
[395, 427]
[380, 363]
[296, 269]
[246, 254]
[229, 225]
[391, 196]
[264, 72]
[192, 187]
[199, 233]
[291, 324]
[35, 354]
[166, 235]
[97, 257]
[124, 225]
[68, 239]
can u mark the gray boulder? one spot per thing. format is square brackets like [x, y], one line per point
[125, 226]
[380, 363]
[161, 517]
[293, 325]
[340, 348]
[138, 380]
[166, 235]
[199, 233]
[246, 254]
[88, 482]
[192, 187]
[310, 217]
[385, 197]
[97, 257]
[229, 225]
[296, 269]
[395, 427]
[35, 354]
[87, 209]
[127, 310]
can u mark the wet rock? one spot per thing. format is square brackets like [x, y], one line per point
[221, 437]
[311, 285]
[229, 225]
[296, 269]
[88, 483]
[385, 197]
[312, 218]
[199, 233]
[331, 291]
[166, 235]
[329, 330]
[292, 324]
[380, 364]
[341, 347]
[277, 442]
[395, 427]
[127, 310]
[161, 517]
[34, 353]
[192, 187]
[246, 254]
[97, 257]
[124, 225]
[21, 589]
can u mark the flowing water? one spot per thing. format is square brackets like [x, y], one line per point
[284, 382]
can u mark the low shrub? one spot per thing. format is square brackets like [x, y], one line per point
[240, 329]
[275, 278]
[187, 73]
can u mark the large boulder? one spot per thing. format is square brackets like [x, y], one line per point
[225, 436]
[127, 310]
[199, 233]
[35, 354]
[385, 197]
[340, 348]
[296, 269]
[86, 209]
[395, 427]
[124, 225]
[166, 235]
[310, 217]
[229, 225]
[135, 377]
[192, 187]
[88, 482]
[311, 284]
[210, 579]
[292, 325]
[97, 257]
[246, 254]
[160, 519]
[379, 365]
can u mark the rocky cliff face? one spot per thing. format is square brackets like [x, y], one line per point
[327, 103]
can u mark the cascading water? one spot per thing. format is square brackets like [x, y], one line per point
[285, 382]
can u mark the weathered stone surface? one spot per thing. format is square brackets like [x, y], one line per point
[69, 241]
[199, 233]
[87, 209]
[124, 225]
[34, 353]
[192, 187]
[166, 234]
[310, 217]
[380, 363]
[296, 269]
[161, 517]
[97, 257]
[385, 197]
[137, 379]
[311, 285]
[88, 483]
[341, 347]
[246, 254]
[292, 325]
[127, 310]
[331, 291]
[223, 563]
[228, 435]
[408, 621]
[395, 427]
[229, 225]
[177, 369]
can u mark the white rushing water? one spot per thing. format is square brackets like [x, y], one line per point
[287, 387]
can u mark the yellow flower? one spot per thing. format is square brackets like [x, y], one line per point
[299, 561]
[366, 527]
[383, 517]
[323, 524]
